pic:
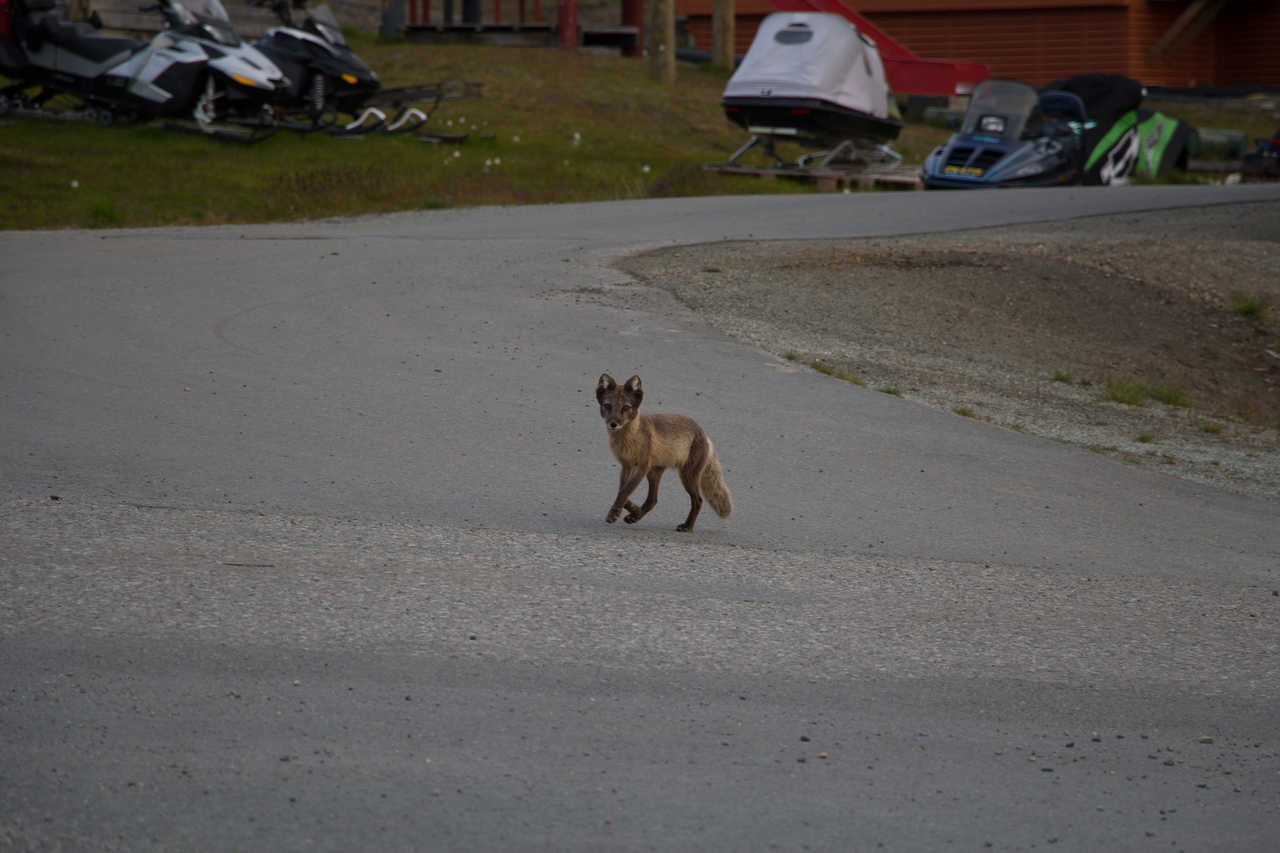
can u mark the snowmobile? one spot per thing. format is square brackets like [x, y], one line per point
[333, 90]
[1012, 136]
[1089, 129]
[812, 78]
[326, 78]
[196, 68]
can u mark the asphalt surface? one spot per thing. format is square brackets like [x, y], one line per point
[302, 546]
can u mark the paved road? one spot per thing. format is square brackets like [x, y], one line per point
[302, 538]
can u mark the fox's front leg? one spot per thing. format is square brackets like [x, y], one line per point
[635, 513]
[628, 481]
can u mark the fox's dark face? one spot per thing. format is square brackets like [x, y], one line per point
[619, 404]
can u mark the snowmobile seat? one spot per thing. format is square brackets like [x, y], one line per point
[1062, 109]
[83, 40]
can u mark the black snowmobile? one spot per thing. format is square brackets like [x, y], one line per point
[334, 90]
[196, 68]
[327, 80]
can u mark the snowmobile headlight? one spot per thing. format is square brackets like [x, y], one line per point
[350, 78]
[245, 81]
[992, 124]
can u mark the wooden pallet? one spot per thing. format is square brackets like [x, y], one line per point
[831, 179]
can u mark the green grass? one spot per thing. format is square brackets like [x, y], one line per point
[836, 373]
[638, 139]
[1253, 308]
[1138, 394]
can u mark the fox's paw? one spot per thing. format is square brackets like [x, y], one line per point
[613, 515]
[684, 528]
[633, 517]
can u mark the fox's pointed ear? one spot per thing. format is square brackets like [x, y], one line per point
[604, 386]
[632, 390]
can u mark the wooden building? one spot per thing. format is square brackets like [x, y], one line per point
[1201, 43]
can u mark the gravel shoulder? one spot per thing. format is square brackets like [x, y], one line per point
[1124, 334]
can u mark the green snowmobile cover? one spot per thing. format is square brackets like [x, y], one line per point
[1141, 143]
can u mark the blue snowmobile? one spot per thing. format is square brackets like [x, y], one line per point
[1012, 136]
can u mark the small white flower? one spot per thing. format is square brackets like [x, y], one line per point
[457, 154]
[515, 139]
[497, 161]
[75, 185]
[449, 123]
[566, 162]
[645, 168]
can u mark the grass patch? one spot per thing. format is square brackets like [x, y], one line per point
[1211, 429]
[1144, 438]
[1059, 376]
[635, 138]
[1252, 308]
[1129, 393]
[964, 412]
[1170, 396]
[836, 373]
[1138, 393]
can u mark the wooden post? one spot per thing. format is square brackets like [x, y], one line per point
[567, 23]
[662, 41]
[633, 16]
[722, 35]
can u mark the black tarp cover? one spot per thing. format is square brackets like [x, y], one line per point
[1126, 139]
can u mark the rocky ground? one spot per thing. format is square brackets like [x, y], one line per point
[1153, 337]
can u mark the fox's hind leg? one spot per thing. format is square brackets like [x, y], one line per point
[691, 478]
[635, 513]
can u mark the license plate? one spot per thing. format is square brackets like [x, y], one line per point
[971, 171]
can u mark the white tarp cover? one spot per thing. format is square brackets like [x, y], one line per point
[812, 55]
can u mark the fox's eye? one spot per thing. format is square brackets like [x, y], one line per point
[626, 408]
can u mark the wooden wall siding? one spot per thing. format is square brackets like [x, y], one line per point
[875, 7]
[1033, 46]
[1249, 44]
[504, 13]
[871, 7]
[1036, 47]
[1241, 47]
[744, 30]
[1194, 65]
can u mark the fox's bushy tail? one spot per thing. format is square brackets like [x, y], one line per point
[714, 489]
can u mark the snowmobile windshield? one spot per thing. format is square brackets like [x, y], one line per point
[326, 25]
[215, 23]
[999, 108]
